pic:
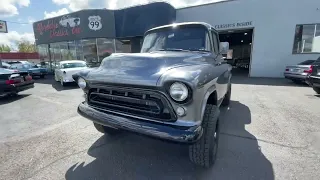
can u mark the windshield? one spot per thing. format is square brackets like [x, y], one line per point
[183, 38]
[73, 65]
[317, 62]
[307, 62]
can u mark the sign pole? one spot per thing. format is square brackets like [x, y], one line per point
[3, 29]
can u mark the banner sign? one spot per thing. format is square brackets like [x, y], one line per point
[78, 25]
[3, 27]
[234, 25]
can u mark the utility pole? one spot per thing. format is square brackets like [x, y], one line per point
[3, 29]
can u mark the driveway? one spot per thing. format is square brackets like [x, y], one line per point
[270, 131]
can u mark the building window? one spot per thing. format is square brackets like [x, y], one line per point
[90, 52]
[44, 56]
[123, 46]
[105, 48]
[307, 39]
[55, 54]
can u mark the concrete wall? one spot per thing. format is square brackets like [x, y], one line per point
[274, 23]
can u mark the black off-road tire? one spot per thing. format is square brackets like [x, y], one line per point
[106, 130]
[227, 97]
[204, 151]
[316, 89]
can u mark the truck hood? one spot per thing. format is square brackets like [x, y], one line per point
[143, 68]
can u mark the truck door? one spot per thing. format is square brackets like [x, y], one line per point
[221, 68]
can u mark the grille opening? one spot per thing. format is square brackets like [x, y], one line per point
[118, 93]
[104, 91]
[135, 95]
[148, 106]
[135, 103]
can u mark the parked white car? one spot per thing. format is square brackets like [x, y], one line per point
[65, 69]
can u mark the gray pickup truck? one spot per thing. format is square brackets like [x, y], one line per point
[172, 90]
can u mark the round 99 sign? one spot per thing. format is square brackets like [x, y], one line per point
[95, 23]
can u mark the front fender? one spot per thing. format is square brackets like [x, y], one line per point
[202, 79]
[195, 76]
[210, 90]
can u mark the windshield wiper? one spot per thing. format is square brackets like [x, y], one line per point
[172, 49]
[202, 50]
[191, 49]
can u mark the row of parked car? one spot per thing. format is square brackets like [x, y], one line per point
[17, 76]
[305, 72]
[25, 66]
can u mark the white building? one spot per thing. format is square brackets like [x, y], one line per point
[284, 32]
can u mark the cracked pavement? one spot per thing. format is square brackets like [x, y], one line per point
[270, 131]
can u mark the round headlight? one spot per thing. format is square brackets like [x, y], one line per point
[178, 91]
[82, 83]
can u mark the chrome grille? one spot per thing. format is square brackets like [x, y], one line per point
[139, 103]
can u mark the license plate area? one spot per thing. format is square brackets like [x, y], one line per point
[295, 70]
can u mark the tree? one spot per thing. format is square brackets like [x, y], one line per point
[5, 48]
[26, 46]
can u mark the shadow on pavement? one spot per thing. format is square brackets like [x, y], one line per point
[68, 86]
[130, 156]
[265, 81]
[10, 99]
[49, 79]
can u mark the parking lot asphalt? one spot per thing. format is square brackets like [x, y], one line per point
[271, 130]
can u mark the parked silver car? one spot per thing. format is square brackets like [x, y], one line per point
[298, 73]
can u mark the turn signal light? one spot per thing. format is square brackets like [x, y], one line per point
[28, 78]
[9, 82]
[308, 70]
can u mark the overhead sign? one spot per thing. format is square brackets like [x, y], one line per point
[3, 27]
[75, 26]
[234, 25]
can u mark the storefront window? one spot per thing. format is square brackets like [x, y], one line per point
[64, 50]
[55, 55]
[123, 46]
[44, 56]
[79, 50]
[307, 39]
[105, 47]
[90, 52]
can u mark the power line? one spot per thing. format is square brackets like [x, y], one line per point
[13, 22]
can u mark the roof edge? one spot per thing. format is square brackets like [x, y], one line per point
[209, 3]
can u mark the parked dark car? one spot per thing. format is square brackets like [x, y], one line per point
[299, 73]
[172, 90]
[314, 78]
[5, 65]
[30, 68]
[12, 82]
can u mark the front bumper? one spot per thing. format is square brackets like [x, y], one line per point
[38, 73]
[180, 134]
[11, 89]
[67, 79]
[314, 81]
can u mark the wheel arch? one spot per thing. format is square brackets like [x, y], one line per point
[210, 97]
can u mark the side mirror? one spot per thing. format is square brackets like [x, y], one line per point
[224, 47]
